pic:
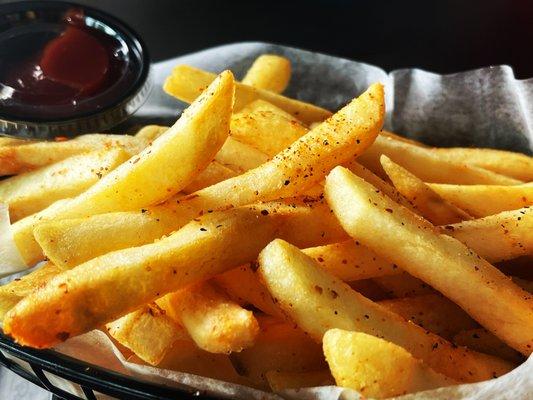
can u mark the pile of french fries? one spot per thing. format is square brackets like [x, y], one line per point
[268, 242]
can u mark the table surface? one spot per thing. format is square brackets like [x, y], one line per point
[445, 37]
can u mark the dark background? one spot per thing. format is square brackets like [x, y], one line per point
[440, 36]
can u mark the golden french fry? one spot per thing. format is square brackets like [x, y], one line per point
[10, 141]
[295, 380]
[403, 139]
[211, 175]
[432, 312]
[377, 368]
[427, 203]
[205, 247]
[498, 237]
[427, 165]
[269, 72]
[25, 157]
[33, 191]
[11, 293]
[151, 132]
[244, 287]
[446, 264]
[481, 340]
[164, 168]
[369, 289]
[266, 127]
[187, 82]
[483, 200]
[148, 332]
[524, 283]
[294, 170]
[214, 322]
[282, 347]
[351, 261]
[240, 157]
[318, 301]
[515, 165]
[403, 285]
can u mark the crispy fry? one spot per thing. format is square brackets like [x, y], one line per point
[481, 340]
[432, 312]
[351, 261]
[164, 168]
[294, 380]
[266, 127]
[282, 347]
[292, 171]
[269, 72]
[428, 166]
[240, 157]
[211, 175]
[317, 301]
[214, 322]
[187, 82]
[418, 247]
[499, 237]
[25, 157]
[427, 203]
[483, 200]
[148, 332]
[33, 191]
[403, 285]
[151, 132]
[377, 368]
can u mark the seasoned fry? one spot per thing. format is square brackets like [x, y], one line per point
[428, 166]
[266, 127]
[151, 132]
[33, 191]
[499, 237]
[211, 175]
[351, 261]
[240, 157]
[148, 332]
[164, 168]
[25, 157]
[294, 380]
[403, 285]
[317, 301]
[427, 203]
[481, 340]
[279, 347]
[432, 312]
[214, 322]
[377, 368]
[483, 291]
[483, 200]
[515, 165]
[187, 82]
[269, 72]
[244, 287]
[294, 170]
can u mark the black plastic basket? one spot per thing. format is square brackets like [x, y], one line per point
[41, 367]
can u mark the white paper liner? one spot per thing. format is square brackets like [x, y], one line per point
[485, 108]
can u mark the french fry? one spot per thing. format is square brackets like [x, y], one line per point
[403, 285]
[214, 322]
[483, 200]
[432, 312]
[211, 175]
[164, 168]
[205, 247]
[294, 170]
[416, 246]
[187, 82]
[498, 237]
[481, 340]
[317, 301]
[524, 284]
[11, 293]
[148, 332]
[403, 138]
[280, 347]
[515, 165]
[16, 159]
[294, 380]
[266, 127]
[269, 72]
[33, 191]
[151, 132]
[427, 203]
[10, 141]
[244, 287]
[428, 166]
[377, 368]
[351, 261]
[240, 157]
[369, 289]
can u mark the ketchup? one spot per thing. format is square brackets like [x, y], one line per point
[63, 66]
